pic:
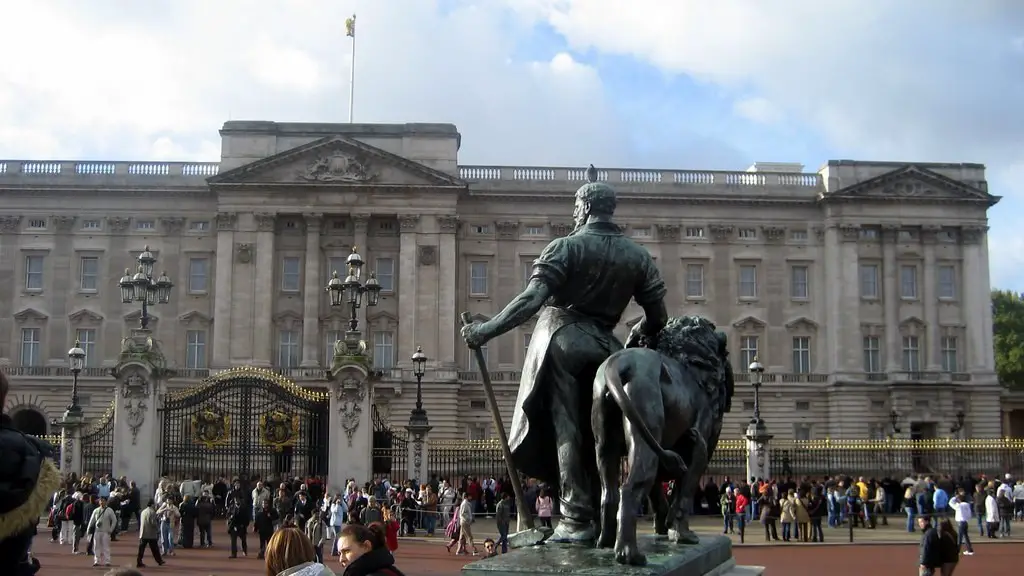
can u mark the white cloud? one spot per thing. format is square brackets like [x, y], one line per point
[757, 109]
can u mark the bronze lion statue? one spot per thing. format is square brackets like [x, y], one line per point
[659, 405]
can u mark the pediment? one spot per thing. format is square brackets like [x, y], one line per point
[288, 315]
[194, 316]
[912, 321]
[337, 160]
[134, 316]
[749, 322]
[802, 323]
[84, 315]
[334, 314]
[30, 314]
[911, 183]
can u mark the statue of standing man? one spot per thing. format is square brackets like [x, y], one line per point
[581, 284]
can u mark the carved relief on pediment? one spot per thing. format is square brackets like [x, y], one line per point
[338, 166]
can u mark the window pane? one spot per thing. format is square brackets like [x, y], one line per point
[748, 351]
[290, 271]
[33, 272]
[198, 272]
[87, 342]
[801, 355]
[748, 282]
[30, 346]
[336, 264]
[288, 351]
[947, 282]
[195, 351]
[798, 285]
[869, 281]
[908, 282]
[89, 270]
[383, 350]
[472, 358]
[911, 358]
[695, 280]
[478, 278]
[333, 336]
[386, 274]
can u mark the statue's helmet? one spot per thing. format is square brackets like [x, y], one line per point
[599, 196]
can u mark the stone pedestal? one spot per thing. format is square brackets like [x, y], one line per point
[140, 374]
[419, 447]
[758, 451]
[71, 450]
[712, 557]
[351, 440]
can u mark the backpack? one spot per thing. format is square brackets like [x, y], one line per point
[69, 511]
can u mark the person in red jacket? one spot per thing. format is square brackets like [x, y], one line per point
[391, 528]
[742, 501]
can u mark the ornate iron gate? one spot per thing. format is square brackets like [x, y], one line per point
[390, 450]
[98, 446]
[245, 421]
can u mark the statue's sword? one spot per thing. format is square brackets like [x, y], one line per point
[530, 535]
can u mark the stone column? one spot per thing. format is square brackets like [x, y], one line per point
[351, 448]
[136, 410]
[71, 449]
[418, 451]
[263, 317]
[407, 286]
[58, 290]
[222, 290]
[312, 290]
[843, 296]
[977, 300]
[758, 451]
[929, 278]
[447, 260]
[360, 224]
[891, 299]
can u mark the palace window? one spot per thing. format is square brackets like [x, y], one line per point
[748, 350]
[481, 229]
[907, 235]
[872, 354]
[478, 278]
[694, 232]
[195, 350]
[88, 271]
[330, 339]
[145, 224]
[527, 272]
[198, 275]
[949, 354]
[911, 354]
[694, 280]
[641, 232]
[30, 346]
[748, 233]
[869, 281]
[87, 342]
[291, 272]
[37, 224]
[34, 272]
[798, 235]
[908, 282]
[337, 264]
[383, 350]
[534, 231]
[868, 233]
[748, 281]
[385, 268]
[199, 226]
[801, 354]
[91, 225]
[947, 282]
[798, 284]
[288, 349]
[471, 363]
[802, 432]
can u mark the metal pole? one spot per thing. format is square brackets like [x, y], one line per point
[352, 81]
[419, 392]
[523, 514]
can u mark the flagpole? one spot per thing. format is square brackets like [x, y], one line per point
[351, 32]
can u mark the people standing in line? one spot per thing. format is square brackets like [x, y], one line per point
[962, 517]
[149, 535]
[101, 526]
[238, 523]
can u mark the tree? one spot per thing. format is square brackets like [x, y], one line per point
[1008, 328]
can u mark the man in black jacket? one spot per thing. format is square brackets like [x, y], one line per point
[930, 560]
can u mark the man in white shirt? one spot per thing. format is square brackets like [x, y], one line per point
[101, 524]
[962, 516]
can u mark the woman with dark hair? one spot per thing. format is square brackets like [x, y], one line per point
[364, 551]
[949, 547]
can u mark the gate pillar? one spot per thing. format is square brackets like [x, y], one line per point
[351, 439]
[71, 448]
[419, 447]
[758, 450]
[141, 376]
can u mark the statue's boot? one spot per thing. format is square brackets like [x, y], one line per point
[572, 532]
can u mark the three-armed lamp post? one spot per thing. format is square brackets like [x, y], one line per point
[350, 290]
[419, 368]
[141, 287]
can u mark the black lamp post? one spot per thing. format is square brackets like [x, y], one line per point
[419, 368]
[959, 425]
[894, 419]
[143, 288]
[350, 290]
[76, 359]
[756, 375]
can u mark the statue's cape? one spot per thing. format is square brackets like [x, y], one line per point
[532, 439]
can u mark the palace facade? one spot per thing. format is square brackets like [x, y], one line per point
[863, 288]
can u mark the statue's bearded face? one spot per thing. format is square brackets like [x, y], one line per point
[579, 213]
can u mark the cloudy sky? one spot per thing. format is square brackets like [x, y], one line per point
[641, 83]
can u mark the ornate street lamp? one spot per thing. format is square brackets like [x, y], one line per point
[350, 290]
[756, 374]
[959, 425]
[419, 368]
[141, 287]
[894, 418]
[76, 359]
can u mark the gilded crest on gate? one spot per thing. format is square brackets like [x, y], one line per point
[211, 428]
[279, 429]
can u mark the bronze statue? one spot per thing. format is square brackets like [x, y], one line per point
[672, 395]
[581, 285]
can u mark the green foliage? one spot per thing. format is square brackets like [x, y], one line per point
[1008, 328]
